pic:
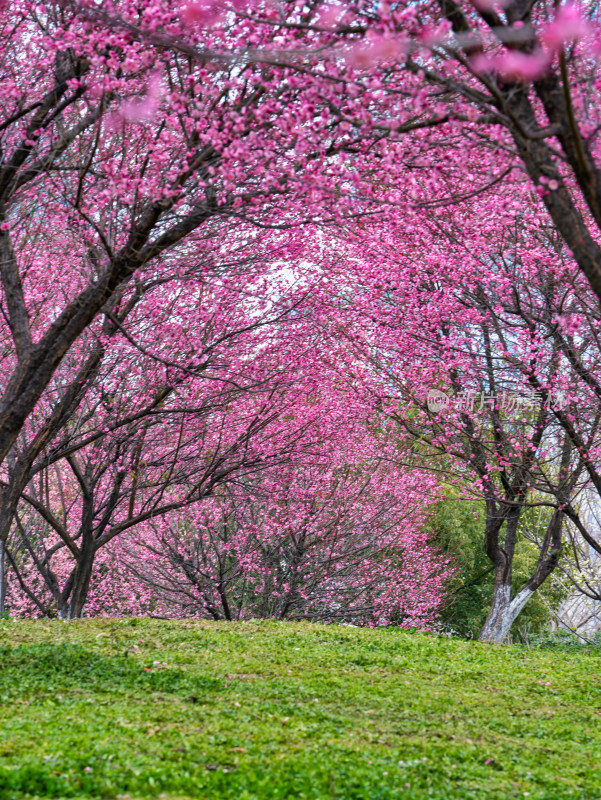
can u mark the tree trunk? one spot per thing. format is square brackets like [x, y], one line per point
[2, 586]
[503, 613]
[81, 583]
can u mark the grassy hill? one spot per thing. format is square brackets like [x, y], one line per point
[146, 708]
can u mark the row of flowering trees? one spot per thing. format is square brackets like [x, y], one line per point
[487, 356]
[240, 243]
[214, 464]
[156, 354]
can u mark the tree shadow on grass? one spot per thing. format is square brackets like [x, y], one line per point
[43, 668]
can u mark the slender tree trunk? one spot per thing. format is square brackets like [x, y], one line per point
[503, 613]
[2, 579]
[81, 580]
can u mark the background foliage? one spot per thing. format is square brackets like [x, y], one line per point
[457, 527]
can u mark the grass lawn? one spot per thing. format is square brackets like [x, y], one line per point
[271, 710]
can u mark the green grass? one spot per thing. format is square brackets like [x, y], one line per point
[265, 710]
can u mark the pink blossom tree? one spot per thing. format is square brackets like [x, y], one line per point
[440, 320]
[331, 540]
